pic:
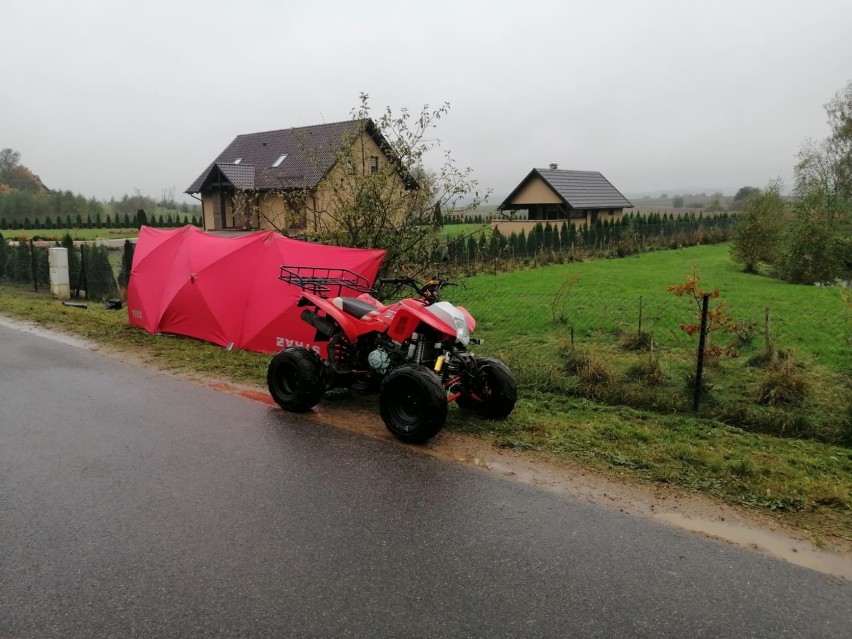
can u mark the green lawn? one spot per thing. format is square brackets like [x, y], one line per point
[518, 307]
[77, 234]
[451, 231]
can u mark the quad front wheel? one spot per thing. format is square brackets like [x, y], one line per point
[295, 379]
[494, 391]
[413, 403]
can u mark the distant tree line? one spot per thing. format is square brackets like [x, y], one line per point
[561, 241]
[22, 210]
[139, 219]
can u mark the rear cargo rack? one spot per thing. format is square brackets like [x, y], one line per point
[324, 281]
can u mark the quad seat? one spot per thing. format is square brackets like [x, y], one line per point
[353, 306]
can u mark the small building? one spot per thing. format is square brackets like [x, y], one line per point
[289, 179]
[555, 195]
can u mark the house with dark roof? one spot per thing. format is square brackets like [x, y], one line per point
[288, 179]
[555, 195]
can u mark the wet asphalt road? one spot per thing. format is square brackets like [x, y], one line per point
[133, 504]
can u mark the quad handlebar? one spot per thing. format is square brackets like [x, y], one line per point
[430, 291]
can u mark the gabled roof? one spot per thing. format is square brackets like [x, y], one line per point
[240, 175]
[310, 153]
[578, 189]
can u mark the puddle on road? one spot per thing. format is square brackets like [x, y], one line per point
[248, 393]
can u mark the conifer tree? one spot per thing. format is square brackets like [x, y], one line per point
[126, 263]
[67, 242]
[2, 256]
[22, 263]
[99, 276]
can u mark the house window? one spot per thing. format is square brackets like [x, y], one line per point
[374, 164]
[280, 159]
[238, 160]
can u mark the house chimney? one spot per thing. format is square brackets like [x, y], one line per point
[553, 166]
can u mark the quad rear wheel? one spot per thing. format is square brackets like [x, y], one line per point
[413, 403]
[296, 379]
[494, 391]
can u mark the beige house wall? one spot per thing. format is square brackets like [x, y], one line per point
[536, 192]
[516, 226]
[207, 212]
[210, 206]
[274, 214]
[320, 203]
[334, 189]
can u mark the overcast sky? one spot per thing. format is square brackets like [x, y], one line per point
[104, 97]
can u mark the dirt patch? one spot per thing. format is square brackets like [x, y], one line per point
[660, 502]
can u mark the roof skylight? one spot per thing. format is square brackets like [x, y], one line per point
[279, 160]
[238, 160]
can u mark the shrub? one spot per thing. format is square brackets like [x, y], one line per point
[745, 333]
[100, 281]
[126, 263]
[590, 370]
[636, 341]
[783, 385]
[649, 373]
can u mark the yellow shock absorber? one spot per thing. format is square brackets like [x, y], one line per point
[439, 363]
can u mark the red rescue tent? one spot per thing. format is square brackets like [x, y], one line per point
[226, 290]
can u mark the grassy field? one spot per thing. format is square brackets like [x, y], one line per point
[455, 230]
[805, 482]
[519, 306]
[77, 234]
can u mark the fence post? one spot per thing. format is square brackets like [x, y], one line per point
[767, 336]
[82, 279]
[33, 266]
[699, 367]
[640, 316]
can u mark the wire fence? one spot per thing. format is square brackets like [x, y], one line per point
[91, 272]
[529, 320]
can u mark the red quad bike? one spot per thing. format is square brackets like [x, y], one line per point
[413, 350]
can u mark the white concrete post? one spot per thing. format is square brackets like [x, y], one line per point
[57, 259]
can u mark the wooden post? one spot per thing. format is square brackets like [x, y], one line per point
[33, 266]
[699, 367]
[767, 337]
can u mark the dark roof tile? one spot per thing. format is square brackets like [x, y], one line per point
[241, 175]
[580, 189]
[310, 154]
